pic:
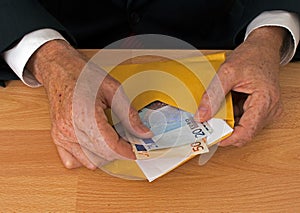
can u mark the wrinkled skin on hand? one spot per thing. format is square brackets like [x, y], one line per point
[58, 66]
[251, 72]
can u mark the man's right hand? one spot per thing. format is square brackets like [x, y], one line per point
[57, 66]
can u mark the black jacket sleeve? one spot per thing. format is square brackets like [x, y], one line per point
[17, 18]
[222, 23]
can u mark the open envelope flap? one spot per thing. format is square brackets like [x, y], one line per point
[179, 83]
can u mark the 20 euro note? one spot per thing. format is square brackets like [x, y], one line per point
[155, 163]
[171, 127]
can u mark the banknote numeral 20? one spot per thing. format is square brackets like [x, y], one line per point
[198, 133]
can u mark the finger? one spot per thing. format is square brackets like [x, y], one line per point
[129, 117]
[102, 140]
[133, 123]
[109, 144]
[253, 119]
[215, 94]
[236, 139]
[67, 159]
[76, 152]
[96, 159]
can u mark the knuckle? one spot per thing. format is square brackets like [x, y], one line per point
[205, 96]
[248, 137]
[245, 137]
[93, 167]
[110, 151]
[227, 68]
[205, 101]
[111, 83]
[68, 164]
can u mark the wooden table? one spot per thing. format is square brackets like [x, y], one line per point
[263, 176]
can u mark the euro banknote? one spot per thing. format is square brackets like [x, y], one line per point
[170, 126]
[177, 138]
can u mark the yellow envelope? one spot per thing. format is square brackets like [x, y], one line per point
[180, 83]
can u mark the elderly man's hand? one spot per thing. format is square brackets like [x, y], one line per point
[58, 66]
[252, 73]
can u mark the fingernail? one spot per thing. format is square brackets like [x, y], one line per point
[148, 134]
[145, 131]
[202, 111]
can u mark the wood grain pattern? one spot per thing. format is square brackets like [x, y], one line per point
[263, 176]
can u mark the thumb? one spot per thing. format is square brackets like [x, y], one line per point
[127, 114]
[214, 96]
[135, 126]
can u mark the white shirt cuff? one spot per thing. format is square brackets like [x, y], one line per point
[18, 56]
[280, 18]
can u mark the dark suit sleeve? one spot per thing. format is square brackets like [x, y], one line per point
[17, 18]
